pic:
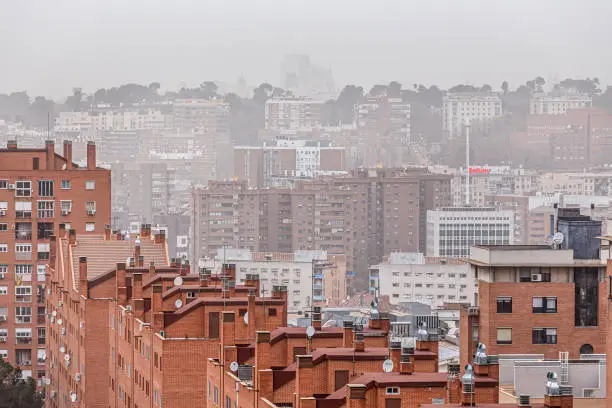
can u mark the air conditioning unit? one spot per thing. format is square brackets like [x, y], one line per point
[91, 212]
[2, 318]
[65, 212]
[2, 212]
[2, 339]
[60, 303]
[536, 277]
[77, 377]
[128, 308]
[11, 186]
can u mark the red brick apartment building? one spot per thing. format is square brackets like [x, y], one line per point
[39, 189]
[125, 332]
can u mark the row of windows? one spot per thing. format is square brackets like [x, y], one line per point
[540, 304]
[431, 274]
[45, 208]
[46, 188]
[540, 335]
[430, 285]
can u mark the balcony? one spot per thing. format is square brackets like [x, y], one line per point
[40, 319]
[23, 214]
[23, 256]
[42, 340]
[23, 298]
[23, 235]
[23, 340]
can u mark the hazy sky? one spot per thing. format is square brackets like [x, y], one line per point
[48, 46]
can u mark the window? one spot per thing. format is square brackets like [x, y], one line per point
[3, 248]
[43, 252]
[23, 209]
[23, 188]
[504, 304]
[90, 185]
[46, 209]
[90, 227]
[23, 294]
[3, 227]
[45, 188]
[545, 304]
[65, 206]
[504, 335]
[3, 290]
[65, 184]
[4, 354]
[392, 391]
[90, 206]
[23, 248]
[23, 314]
[23, 336]
[3, 207]
[3, 271]
[3, 184]
[544, 336]
[21, 270]
[272, 312]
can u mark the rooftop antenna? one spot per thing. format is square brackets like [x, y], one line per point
[467, 164]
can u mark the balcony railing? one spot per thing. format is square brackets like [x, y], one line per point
[23, 362]
[23, 340]
[23, 319]
[40, 319]
[42, 340]
[23, 236]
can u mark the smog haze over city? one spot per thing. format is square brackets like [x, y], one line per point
[306, 204]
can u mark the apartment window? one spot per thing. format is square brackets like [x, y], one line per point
[3, 208]
[90, 185]
[90, 206]
[545, 304]
[272, 312]
[23, 294]
[544, 336]
[23, 336]
[4, 354]
[504, 304]
[43, 252]
[46, 209]
[3, 271]
[65, 206]
[3, 227]
[45, 188]
[504, 335]
[392, 391]
[90, 227]
[3, 248]
[23, 314]
[23, 209]
[21, 270]
[3, 184]
[65, 184]
[44, 230]
[23, 188]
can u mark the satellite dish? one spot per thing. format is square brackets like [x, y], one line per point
[388, 365]
[47, 381]
[558, 238]
[178, 304]
[54, 313]
[310, 331]
[62, 349]
[67, 357]
[246, 318]
[73, 397]
[59, 321]
[234, 366]
[178, 281]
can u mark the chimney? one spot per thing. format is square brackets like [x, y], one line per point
[304, 384]
[50, 152]
[91, 155]
[204, 274]
[107, 232]
[230, 271]
[156, 308]
[72, 237]
[316, 318]
[62, 231]
[11, 144]
[118, 235]
[145, 230]
[395, 353]
[252, 281]
[121, 283]
[137, 250]
[374, 323]
[228, 329]
[468, 398]
[359, 342]
[151, 269]
[68, 153]
[160, 237]
[356, 395]
[279, 292]
[140, 261]
[406, 363]
[83, 288]
[137, 286]
[52, 251]
[251, 315]
[557, 396]
[185, 268]
[347, 333]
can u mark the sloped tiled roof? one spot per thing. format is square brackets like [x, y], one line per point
[103, 256]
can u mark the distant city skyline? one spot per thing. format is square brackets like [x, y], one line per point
[50, 50]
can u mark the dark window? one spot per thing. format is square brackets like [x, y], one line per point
[241, 312]
[393, 403]
[271, 312]
[544, 305]
[341, 378]
[213, 325]
[504, 304]
[544, 336]
[298, 351]
[45, 230]
[35, 164]
[586, 349]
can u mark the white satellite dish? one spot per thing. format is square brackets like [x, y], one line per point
[52, 319]
[62, 349]
[67, 357]
[47, 381]
[54, 313]
[178, 281]
[234, 366]
[246, 318]
[178, 304]
[310, 331]
[388, 365]
[59, 321]
[73, 397]
[558, 238]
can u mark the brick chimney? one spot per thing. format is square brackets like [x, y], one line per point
[304, 377]
[83, 288]
[359, 342]
[279, 292]
[11, 144]
[356, 396]
[316, 317]
[107, 232]
[406, 365]
[252, 281]
[251, 315]
[72, 237]
[156, 308]
[61, 233]
[230, 270]
[121, 284]
[160, 237]
[50, 154]
[204, 275]
[228, 329]
[137, 244]
[91, 155]
[347, 333]
[68, 153]
[395, 353]
[140, 261]
[52, 251]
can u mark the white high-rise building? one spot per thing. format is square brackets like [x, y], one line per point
[468, 108]
[451, 231]
[558, 102]
[293, 114]
[110, 119]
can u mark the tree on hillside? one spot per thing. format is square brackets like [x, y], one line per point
[588, 86]
[505, 87]
[463, 88]
[536, 85]
[394, 89]
[16, 392]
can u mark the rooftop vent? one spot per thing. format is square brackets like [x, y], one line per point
[524, 401]
[481, 355]
[552, 386]
[468, 380]
[422, 334]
